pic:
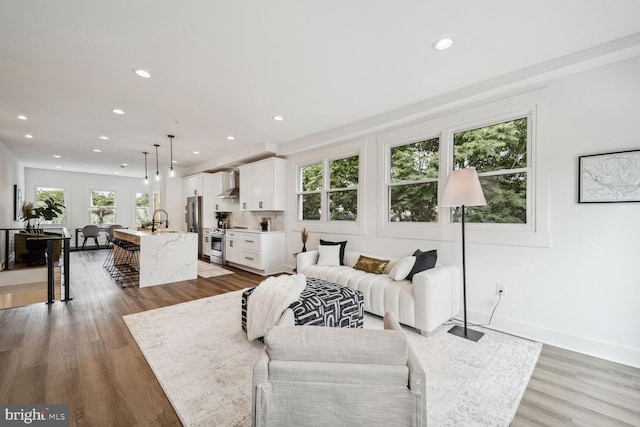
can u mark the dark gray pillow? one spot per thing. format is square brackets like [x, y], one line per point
[424, 261]
[342, 248]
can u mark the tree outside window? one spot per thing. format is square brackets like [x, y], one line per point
[413, 181]
[142, 208]
[309, 198]
[103, 207]
[343, 185]
[499, 154]
[57, 195]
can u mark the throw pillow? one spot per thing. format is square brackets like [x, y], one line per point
[371, 265]
[424, 261]
[329, 255]
[342, 248]
[402, 268]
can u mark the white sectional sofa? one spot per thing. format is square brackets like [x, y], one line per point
[426, 302]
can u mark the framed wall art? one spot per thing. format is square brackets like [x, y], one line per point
[609, 177]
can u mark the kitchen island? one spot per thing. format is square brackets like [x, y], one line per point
[165, 256]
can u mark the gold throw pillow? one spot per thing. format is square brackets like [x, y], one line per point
[371, 265]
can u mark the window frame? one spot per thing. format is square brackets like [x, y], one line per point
[387, 172]
[530, 214]
[115, 204]
[65, 212]
[135, 205]
[534, 233]
[324, 156]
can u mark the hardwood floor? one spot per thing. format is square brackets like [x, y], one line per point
[81, 353]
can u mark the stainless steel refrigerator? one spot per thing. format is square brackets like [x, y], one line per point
[193, 218]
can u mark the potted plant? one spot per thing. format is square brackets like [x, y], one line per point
[264, 223]
[29, 212]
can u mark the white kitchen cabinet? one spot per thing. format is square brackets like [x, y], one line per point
[220, 181]
[201, 184]
[192, 185]
[259, 252]
[262, 185]
[231, 247]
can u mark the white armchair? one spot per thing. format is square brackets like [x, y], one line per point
[317, 376]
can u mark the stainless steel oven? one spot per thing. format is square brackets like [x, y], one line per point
[217, 246]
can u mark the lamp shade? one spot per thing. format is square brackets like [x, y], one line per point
[463, 188]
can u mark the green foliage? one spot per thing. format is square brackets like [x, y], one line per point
[499, 147]
[312, 177]
[343, 205]
[310, 206]
[51, 200]
[415, 164]
[343, 173]
[415, 161]
[103, 198]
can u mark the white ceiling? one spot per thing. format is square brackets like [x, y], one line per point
[224, 68]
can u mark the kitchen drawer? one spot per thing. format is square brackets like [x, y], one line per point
[249, 241]
[250, 258]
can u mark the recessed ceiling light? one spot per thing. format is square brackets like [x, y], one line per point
[196, 152]
[174, 161]
[443, 43]
[143, 73]
[22, 117]
[124, 165]
[278, 118]
[55, 156]
[95, 150]
[28, 136]
[106, 138]
[118, 111]
[231, 138]
[58, 167]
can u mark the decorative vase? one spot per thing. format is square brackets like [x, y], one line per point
[304, 247]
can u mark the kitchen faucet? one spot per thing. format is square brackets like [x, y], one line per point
[154, 222]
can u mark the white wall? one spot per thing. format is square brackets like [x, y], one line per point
[582, 290]
[79, 185]
[11, 173]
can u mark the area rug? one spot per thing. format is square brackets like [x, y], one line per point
[206, 269]
[204, 363]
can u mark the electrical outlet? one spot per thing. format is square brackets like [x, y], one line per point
[501, 289]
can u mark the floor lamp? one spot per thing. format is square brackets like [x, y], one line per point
[463, 189]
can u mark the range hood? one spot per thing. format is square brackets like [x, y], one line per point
[229, 187]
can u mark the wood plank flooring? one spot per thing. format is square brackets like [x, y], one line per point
[81, 353]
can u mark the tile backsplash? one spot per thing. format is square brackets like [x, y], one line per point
[251, 220]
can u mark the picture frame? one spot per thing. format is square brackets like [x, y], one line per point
[609, 177]
[17, 202]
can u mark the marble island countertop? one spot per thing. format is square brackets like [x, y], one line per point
[148, 232]
[164, 256]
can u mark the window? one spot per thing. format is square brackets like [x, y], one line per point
[499, 154]
[103, 207]
[412, 188]
[142, 208]
[343, 185]
[57, 195]
[310, 195]
[331, 183]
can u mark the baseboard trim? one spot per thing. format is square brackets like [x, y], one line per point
[592, 347]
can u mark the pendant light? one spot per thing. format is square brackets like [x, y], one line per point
[172, 172]
[146, 177]
[157, 168]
